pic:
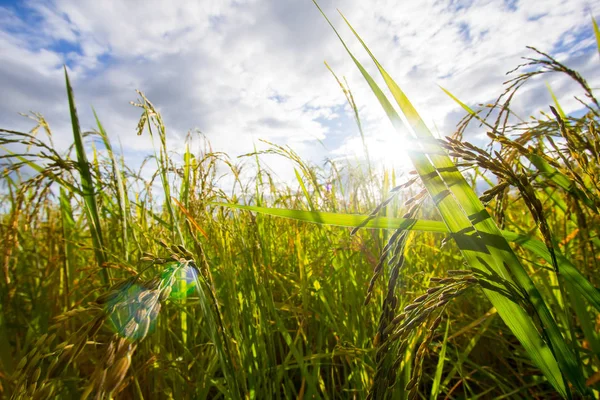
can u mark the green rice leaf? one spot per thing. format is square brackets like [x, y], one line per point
[68, 225]
[304, 190]
[492, 253]
[87, 185]
[596, 33]
[479, 239]
[346, 220]
[463, 105]
[123, 199]
[556, 103]
[437, 379]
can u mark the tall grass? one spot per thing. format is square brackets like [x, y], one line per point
[372, 285]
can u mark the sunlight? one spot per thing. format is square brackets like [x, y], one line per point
[387, 149]
[297, 252]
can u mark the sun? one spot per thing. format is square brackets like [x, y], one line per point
[383, 149]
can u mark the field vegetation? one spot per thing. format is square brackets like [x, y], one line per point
[355, 282]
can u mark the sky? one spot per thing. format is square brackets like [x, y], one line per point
[243, 70]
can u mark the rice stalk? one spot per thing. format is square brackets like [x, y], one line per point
[131, 308]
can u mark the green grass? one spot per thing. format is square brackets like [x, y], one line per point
[338, 286]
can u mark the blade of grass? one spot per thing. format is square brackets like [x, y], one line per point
[121, 191]
[456, 365]
[185, 184]
[303, 187]
[556, 103]
[495, 250]
[216, 331]
[87, 186]
[347, 220]
[437, 379]
[596, 33]
[585, 319]
[566, 269]
[482, 247]
[68, 225]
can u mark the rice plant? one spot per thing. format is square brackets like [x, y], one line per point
[353, 283]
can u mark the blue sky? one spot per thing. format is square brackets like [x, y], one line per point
[245, 70]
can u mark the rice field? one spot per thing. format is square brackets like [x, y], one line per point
[353, 283]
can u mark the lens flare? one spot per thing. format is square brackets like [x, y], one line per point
[133, 308]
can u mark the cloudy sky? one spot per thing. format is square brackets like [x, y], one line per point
[244, 70]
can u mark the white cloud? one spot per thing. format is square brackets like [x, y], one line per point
[244, 70]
